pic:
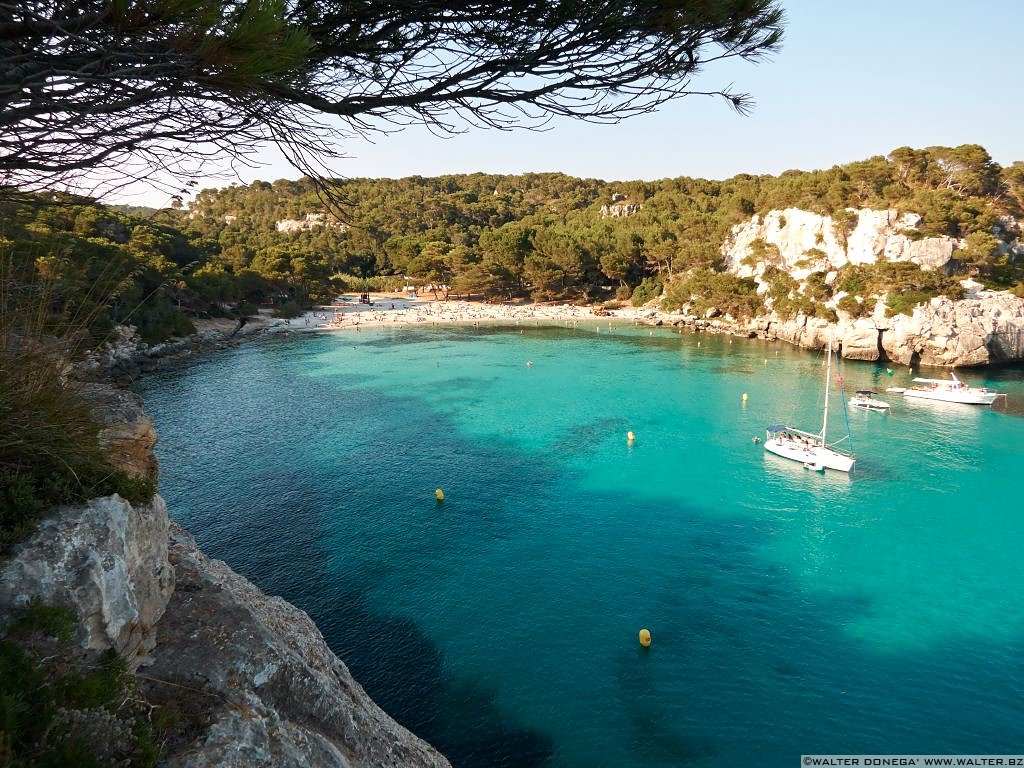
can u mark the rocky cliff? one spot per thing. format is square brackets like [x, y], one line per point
[979, 331]
[620, 210]
[310, 221]
[272, 692]
[262, 687]
[971, 332]
[808, 242]
[986, 327]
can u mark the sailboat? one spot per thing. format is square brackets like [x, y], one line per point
[811, 448]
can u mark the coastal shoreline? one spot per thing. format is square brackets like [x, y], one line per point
[970, 333]
[389, 310]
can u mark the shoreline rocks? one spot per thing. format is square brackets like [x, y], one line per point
[970, 333]
[126, 356]
[986, 328]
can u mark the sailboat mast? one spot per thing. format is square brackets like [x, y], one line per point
[828, 375]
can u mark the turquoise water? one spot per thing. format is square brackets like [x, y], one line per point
[790, 612]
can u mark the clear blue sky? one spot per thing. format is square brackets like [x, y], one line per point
[851, 81]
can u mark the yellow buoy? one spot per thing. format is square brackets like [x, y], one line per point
[645, 638]
[439, 494]
[744, 397]
[630, 437]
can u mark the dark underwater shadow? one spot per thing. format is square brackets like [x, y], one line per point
[394, 661]
[403, 671]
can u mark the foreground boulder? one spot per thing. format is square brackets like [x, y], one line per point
[105, 560]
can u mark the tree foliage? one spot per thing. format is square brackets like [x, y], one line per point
[126, 87]
[497, 237]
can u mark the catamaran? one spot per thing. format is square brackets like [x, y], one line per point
[954, 391]
[810, 448]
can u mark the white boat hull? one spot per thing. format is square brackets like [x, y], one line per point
[809, 448]
[968, 397]
[868, 404]
[810, 454]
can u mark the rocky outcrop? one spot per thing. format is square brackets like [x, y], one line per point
[126, 432]
[972, 332]
[275, 694]
[250, 674]
[126, 356]
[969, 332]
[310, 221]
[269, 690]
[105, 560]
[808, 242]
[983, 329]
[620, 210]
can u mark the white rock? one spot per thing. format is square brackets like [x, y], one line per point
[107, 561]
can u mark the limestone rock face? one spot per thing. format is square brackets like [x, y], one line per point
[984, 328]
[310, 221]
[801, 236]
[620, 209]
[930, 252]
[127, 432]
[969, 332]
[275, 694]
[859, 339]
[801, 331]
[942, 333]
[107, 561]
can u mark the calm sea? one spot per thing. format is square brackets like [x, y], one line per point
[790, 612]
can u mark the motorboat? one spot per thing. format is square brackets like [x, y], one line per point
[952, 390]
[810, 448]
[863, 399]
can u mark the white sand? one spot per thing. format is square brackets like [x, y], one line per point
[395, 310]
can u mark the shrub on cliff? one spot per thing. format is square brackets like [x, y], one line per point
[852, 307]
[904, 285]
[49, 443]
[57, 708]
[705, 289]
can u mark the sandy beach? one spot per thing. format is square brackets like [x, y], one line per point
[399, 310]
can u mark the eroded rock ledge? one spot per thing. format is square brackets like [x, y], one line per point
[274, 693]
[251, 674]
[107, 561]
[972, 332]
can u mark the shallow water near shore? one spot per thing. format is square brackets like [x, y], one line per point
[790, 612]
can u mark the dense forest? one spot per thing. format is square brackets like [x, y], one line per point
[538, 236]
